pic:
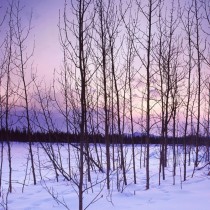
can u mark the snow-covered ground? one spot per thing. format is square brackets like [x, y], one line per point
[193, 194]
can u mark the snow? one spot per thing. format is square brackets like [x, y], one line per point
[193, 194]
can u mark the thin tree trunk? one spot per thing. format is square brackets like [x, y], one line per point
[199, 80]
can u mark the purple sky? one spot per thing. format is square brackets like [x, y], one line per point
[47, 49]
[47, 54]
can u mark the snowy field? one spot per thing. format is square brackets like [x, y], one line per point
[193, 194]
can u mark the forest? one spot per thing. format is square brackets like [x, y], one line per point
[134, 73]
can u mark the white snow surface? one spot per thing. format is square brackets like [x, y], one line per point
[193, 194]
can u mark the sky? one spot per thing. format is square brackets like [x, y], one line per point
[47, 49]
[48, 53]
[45, 33]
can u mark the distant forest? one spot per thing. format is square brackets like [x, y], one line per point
[62, 137]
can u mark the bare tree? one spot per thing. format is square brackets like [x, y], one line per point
[187, 22]
[9, 51]
[78, 55]
[129, 65]
[198, 19]
[102, 46]
[167, 57]
[2, 73]
[148, 12]
[112, 23]
[206, 21]
[22, 62]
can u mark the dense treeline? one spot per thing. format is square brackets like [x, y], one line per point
[62, 137]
